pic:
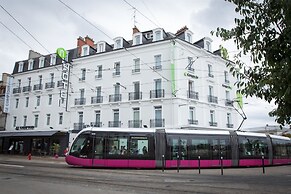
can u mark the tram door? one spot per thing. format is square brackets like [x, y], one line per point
[98, 150]
[179, 153]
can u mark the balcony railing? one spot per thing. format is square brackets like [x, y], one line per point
[228, 102]
[135, 123]
[96, 124]
[192, 122]
[157, 67]
[114, 97]
[157, 93]
[49, 85]
[193, 95]
[135, 96]
[114, 123]
[98, 76]
[117, 73]
[228, 125]
[157, 122]
[78, 127]
[212, 124]
[212, 99]
[37, 87]
[80, 101]
[26, 89]
[60, 83]
[16, 90]
[135, 70]
[96, 99]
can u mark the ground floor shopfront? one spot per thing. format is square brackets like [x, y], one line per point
[34, 142]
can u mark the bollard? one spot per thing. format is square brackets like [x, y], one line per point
[29, 156]
[163, 163]
[263, 163]
[178, 163]
[199, 164]
[221, 164]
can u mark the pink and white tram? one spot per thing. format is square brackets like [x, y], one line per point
[169, 148]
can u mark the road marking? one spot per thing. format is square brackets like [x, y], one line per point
[12, 165]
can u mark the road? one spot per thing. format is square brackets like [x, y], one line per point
[48, 175]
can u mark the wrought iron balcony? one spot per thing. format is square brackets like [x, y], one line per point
[157, 93]
[135, 96]
[192, 95]
[212, 99]
[37, 87]
[49, 85]
[114, 123]
[26, 89]
[114, 97]
[78, 127]
[98, 76]
[135, 123]
[192, 122]
[228, 102]
[96, 99]
[116, 73]
[157, 67]
[17, 90]
[80, 101]
[212, 124]
[96, 124]
[136, 70]
[228, 125]
[60, 83]
[157, 122]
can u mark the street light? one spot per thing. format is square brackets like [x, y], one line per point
[117, 83]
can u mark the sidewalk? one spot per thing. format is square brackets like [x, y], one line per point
[35, 159]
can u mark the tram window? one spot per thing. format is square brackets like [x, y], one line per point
[252, 147]
[280, 149]
[139, 146]
[220, 148]
[117, 145]
[174, 146]
[99, 147]
[199, 147]
[82, 147]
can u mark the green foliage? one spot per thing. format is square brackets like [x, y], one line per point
[55, 148]
[264, 32]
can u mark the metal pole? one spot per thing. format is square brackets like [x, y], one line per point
[263, 163]
[199, 164]
[221, 164]
[163, 163]
[178, 163]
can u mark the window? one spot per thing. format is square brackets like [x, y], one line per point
[29, 81]
[137, 39]
[118, 145]
[210, 71]
[83, 75]
[26, 101]
[212, 119]
[115, 115]
[118, 44]
[136, 118]
[189, 37]
[53, 59]
[82, 93]
[208, 45]
[99, 72]
[136, 66]
[253, 147]
[30, 64]
[139, 146]
[191, 87]
[40, 79]
[16, 103]
[226, 78]
[48, 119]
[157, 35]
[38, 101]
[101, 47]
[20, 66]
[19, 83]
[210, 90]
[192, 114]
[35, 121]
[97, 118]
[98, 91]
[85, 50]
[24, 120]
[41, 62]
[81, 117]
[158, 116]
[117, 68]
[61, 117]
[52, 77]
[50, 99]
[158, 64]
[228, 118]
[14, 121]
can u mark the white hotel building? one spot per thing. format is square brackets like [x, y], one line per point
[157, 79]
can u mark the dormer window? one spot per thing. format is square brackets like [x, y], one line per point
[53, 59]
[30, 64]
[207, 44]
[100, 47]
[20, 66]
[118, 43]
[85, 50]
[157, 34]
[188, 36]
[41, 62]
[137, 38]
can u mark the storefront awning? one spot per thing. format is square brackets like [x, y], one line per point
[28, 133]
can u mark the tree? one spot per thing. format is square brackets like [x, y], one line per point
[263, 31]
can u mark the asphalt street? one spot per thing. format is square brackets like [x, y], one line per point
[50, 175]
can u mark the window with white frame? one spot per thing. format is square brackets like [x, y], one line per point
[116, 68]
[100, 47]
[228, 119]
[52, 75]
[30, 64]
[188, 37]
[192, 114]
[38, 101]
[157, 34]
[14, 121]
[210, 89]
[35, 121]
[50, 99]
[83, 74]
[16, 102]
[99, 72]
[19, 83]
[226, 77]
[20, 66]
[61, 117]
[85, 50]
[158, 62]
[136, 66]
[53, 59]
[208, 45]
[98, 118]
[48, 119]
[118, 44]
[210, 71]
[41, 62]
[137, 38]
[24, 120]
[26, 101]
[212, 117]
[29, 81]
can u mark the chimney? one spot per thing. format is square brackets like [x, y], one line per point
[135, 30]
[89, 41]
[82, 41]
[182, 30]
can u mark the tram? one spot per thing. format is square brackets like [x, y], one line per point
[169, 148]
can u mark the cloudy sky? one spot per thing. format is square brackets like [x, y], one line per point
[53, 25]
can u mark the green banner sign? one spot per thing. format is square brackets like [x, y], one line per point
[62, 53]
